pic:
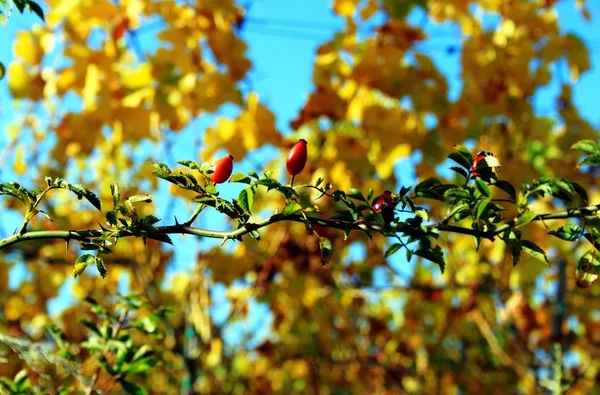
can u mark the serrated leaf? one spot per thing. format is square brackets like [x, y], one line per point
[461, 171]
[506, 187]
[525, 218]
[588, 269]
[355, 193]
[463, 159]
[241, 178]
[421, 212]
[392, 249]
[36, 9]
[291, 209]
[482, 187]
[587, 146]
[435, 255]
[82, 192]
[212, 189]
[455, 195]
[534, 250]
[246, 200]
[326, 250]
[568, 232]
[480, 207]
[82, 263]
[100, 266]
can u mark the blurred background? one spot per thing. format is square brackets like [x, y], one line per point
[382, 90]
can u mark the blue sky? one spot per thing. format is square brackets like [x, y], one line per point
[283, 37]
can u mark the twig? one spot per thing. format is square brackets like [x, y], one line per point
[84, 235]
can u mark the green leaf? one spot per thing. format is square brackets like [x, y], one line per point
[525, 218]
[534, 250]
[82, 263]
[587, 146]
[461, 171]
[212, 189]
[114, 191]
[455, 195]
[462, 158]
[506, 187]
[246, 199]
[435, 255]
[326, 250]
[482, 187]
[140, 198]
[427, 184]
[580, 191]
[91, 326]
[588, 269]
[421, 212]
[36, 9]
[240, 177]
[392, 249]
[291, 209]
[480, 207]
[132, 388]
[355, 193]
[142, 365]
[568, 232]
[21, 379]
[100, 266]
[513, 240]
[82, 192]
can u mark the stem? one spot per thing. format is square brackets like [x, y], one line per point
[292, 182]
[557, 356]
[31, 210]
[195, 214]
[83, 235]
[557, 323]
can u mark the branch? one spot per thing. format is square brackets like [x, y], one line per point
[84, 235]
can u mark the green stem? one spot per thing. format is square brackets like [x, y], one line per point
[32, 210]
[195, 214]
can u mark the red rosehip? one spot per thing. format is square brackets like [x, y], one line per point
[296, 159]
[384, 204]
[489, 160]
[223, 169]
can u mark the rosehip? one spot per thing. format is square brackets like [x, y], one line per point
[489, 160]
[296, 159]
[223, 169]
[384, 204]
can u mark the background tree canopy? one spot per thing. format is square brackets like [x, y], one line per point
[136, 93]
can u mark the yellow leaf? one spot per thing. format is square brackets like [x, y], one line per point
[345, 7]
[28, 48]
[20, 167]
[138, 78]
[19, 80]
[91, 87]
[214, 356]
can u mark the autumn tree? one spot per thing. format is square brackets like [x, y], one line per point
[306, 289]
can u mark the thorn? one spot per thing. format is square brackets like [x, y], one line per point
[176, 222]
